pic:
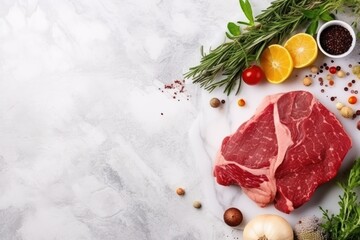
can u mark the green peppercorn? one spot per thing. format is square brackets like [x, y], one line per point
[356, 69]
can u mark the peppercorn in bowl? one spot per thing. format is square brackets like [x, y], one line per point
[336, 39]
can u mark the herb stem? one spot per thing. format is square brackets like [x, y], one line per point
[222, 67]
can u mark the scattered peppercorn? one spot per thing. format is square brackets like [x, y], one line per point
[215, 102]
[314, 69]
[338, 68]
[341, 74]
[356, 69]
[233, 217]
[331, 82]
[223, 101]
[358, 112]
[352, 100]
[346, 89]
[332, 70]
[307, 81]
[358, 125]
[180, 191]
[241, 102]
[196, 204]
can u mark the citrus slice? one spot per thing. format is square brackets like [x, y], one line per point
[303, 49]
[277, 63]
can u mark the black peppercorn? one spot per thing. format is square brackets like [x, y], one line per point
[336, 39]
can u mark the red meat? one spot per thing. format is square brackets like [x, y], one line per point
[284, 152]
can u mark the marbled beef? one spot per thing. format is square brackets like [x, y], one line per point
[284, 152]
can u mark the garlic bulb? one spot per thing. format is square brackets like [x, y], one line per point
[268, 227]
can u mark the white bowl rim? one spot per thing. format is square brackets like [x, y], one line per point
[343, 24]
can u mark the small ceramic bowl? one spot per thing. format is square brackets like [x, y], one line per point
[342, 24]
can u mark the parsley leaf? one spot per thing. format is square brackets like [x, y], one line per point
[246, 8]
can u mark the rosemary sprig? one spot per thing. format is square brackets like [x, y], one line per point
[222, 67]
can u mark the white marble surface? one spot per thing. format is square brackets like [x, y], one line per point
[90, 148]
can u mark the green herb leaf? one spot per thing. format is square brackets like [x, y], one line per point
[312, 28]
[246, 8]
[311, 14]
[325, 16]
[234, 29]
[221, 66]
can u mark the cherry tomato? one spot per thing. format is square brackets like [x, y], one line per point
[253, 75]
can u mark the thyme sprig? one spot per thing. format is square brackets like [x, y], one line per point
[222, 66]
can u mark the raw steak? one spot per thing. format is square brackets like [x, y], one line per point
[284, 152]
